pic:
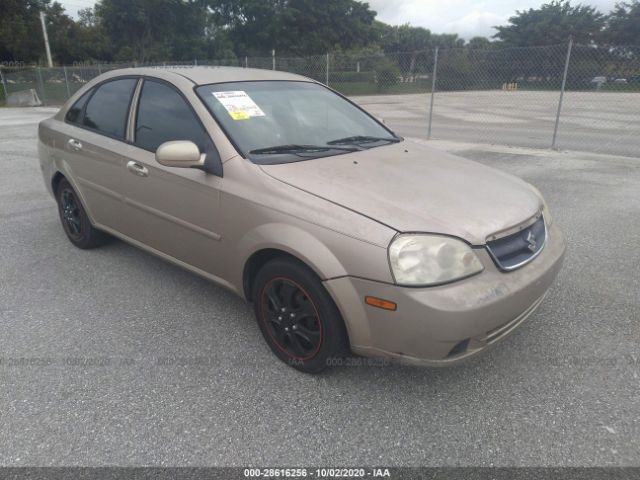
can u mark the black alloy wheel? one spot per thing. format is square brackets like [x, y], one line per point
[74, 218]
[292, 320]
[297, 317]
[71, 213]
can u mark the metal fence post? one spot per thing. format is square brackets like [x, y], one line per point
[4, 85]
[99, 70]
[564, 84]
[246, 62]
[41, 82]
[195, 62]
[66, 81]
[327, 74]
[433, 89]
[273, 59]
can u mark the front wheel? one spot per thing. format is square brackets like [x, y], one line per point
[297, 317]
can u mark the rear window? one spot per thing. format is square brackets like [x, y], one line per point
[74, 114]
[108, 108]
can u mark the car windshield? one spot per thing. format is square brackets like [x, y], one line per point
[286, 121]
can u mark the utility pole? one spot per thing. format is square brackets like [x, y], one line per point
[46, 40]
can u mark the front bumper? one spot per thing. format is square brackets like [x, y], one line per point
[445, 324]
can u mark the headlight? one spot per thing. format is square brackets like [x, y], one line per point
[431, 259]
[545, 208]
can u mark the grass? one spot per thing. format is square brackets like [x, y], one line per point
[575, 87]
[371, 88]
[56, 93]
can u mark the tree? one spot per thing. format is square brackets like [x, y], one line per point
[297, 27]
[69, 40]
[552, 24]
[20, 32]
[623, 24]
[154, 30]
[480, 43]
[413, 45]
[325, 26]
[448, 40]
[90, 38]
[405, 38]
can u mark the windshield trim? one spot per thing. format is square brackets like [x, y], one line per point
[245, 154]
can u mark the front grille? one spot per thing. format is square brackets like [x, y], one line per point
[519, 248]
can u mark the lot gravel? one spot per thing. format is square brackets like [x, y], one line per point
[599, 122]
[114, 357]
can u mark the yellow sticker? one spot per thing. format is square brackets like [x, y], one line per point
[239, 115]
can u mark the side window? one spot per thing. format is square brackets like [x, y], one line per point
[74, 113]
[108, 108]
[163, 116]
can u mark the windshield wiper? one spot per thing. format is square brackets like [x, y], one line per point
[293, 148]
[358, 139]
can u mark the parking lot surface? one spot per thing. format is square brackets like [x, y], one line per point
[115, 357]
[599, 122]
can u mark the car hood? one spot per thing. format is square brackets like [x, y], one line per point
[414, 188]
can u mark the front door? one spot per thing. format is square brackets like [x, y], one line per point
[173, 210]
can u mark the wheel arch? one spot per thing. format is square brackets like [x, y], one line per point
[281, 240]
[60, 175]
[55, 181]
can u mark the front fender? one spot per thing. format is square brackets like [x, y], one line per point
[294, 241]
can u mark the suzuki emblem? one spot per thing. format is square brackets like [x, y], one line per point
[531, 240]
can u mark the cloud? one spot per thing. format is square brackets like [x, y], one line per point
[467, 18]
[476, 24]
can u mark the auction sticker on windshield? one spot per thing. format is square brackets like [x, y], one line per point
[239, 105]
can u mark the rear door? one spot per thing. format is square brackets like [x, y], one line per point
[173, 210]
[95, 134]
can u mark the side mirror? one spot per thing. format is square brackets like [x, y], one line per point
[180, 153]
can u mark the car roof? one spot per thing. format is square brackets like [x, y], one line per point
[205, 75]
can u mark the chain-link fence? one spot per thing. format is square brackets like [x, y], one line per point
[563, 96]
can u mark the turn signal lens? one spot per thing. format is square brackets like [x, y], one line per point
[380, 303]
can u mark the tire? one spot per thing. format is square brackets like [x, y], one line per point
[309, 332]
[74, 219]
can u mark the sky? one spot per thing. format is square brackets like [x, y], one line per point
[467, 18]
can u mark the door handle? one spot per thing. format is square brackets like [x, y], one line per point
[74, 144]
[137, 169]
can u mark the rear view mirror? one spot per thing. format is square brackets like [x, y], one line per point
[180, 153]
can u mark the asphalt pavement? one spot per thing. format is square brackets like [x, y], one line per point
[598, 122]
[115, 357]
